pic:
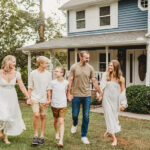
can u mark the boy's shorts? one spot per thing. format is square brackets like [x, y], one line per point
[38, 107]
[59, 112]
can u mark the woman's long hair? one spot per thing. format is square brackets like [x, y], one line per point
[117, 73]
[7, 61]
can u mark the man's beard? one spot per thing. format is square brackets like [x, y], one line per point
[85, 62]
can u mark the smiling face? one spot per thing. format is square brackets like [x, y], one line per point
[13, 64]
[111, 67]
[58, 73]
[85, 58]
[44, 65]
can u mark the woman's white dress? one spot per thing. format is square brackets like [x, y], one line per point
[10, 115]
[113, 99]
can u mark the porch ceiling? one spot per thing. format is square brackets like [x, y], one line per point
[99, 40]
[72, 4]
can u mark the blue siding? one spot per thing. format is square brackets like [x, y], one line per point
[130, 18]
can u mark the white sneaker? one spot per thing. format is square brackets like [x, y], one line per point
[85, 140]
[73, 129]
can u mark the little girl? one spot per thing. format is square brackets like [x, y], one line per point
[58, 91]
[11, 122]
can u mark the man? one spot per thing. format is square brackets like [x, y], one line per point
[79, 92]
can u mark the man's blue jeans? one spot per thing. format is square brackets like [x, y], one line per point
[85, 101]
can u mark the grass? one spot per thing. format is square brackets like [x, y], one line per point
[135, 134]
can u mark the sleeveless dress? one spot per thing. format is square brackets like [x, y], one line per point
[113, 99]
[10, 115]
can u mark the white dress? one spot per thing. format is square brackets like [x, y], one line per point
[113, 99]
[10, 115]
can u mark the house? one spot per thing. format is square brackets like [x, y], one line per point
[108, 29]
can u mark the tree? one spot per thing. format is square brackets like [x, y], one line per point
[19, 24]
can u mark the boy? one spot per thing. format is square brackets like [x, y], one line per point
[38, 91]
[58, 89]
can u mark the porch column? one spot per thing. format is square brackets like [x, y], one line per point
[148, 63]
[29, 65]
[76, 52]
[106, 48]
[148, 48]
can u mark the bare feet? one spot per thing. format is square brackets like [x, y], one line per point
[57, 136]
[106, 134]
[6, 141]
[114, 143]
[60, 144]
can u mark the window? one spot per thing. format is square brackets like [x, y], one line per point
[102, 61]
[104, 16]
[143, 4]
[80, 19]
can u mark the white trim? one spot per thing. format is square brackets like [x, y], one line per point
[140, 6]
[92, 18]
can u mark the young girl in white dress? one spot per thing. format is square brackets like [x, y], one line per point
[11, 122]
[114, 97]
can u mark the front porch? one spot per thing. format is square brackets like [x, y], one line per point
[127, 47]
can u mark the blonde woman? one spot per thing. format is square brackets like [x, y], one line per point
[11, 122]
[113, 87]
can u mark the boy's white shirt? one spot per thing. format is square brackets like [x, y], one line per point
[39, 83]
[59, 99]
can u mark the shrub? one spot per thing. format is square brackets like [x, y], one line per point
[137, 97]
[94, 101]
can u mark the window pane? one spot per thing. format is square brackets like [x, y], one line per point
[105, 11]
[80, 15]
[102, 57]
[102, 67]
[105, 21]
[80, 24]
[144, 3]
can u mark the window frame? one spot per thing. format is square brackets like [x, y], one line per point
[78, 20]
[104, 16]
[104, 62]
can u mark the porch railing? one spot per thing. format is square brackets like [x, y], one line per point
[98, 76]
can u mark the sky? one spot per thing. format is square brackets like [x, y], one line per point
[50, 7]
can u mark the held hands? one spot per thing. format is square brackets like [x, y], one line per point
[99, 97]
[69, 97]
[47, 103]
[29, 102]
[122, 108]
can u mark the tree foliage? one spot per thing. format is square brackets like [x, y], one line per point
[19, 24]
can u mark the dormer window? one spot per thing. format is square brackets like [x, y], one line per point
[80, 19]
[143, 4]
[104, 16]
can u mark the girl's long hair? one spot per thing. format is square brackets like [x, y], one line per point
[117, 73]
[7, 61]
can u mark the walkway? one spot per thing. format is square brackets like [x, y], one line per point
[125, 114]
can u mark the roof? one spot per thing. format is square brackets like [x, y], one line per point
[86, 41]
[72, 4]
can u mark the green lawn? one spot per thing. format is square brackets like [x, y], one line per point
[135, 134]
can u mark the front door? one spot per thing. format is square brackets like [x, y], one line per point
[136, 67]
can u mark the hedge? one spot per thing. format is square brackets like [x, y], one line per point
[138, 99]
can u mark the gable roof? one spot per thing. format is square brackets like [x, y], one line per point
[72, 4]
[99, 40]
